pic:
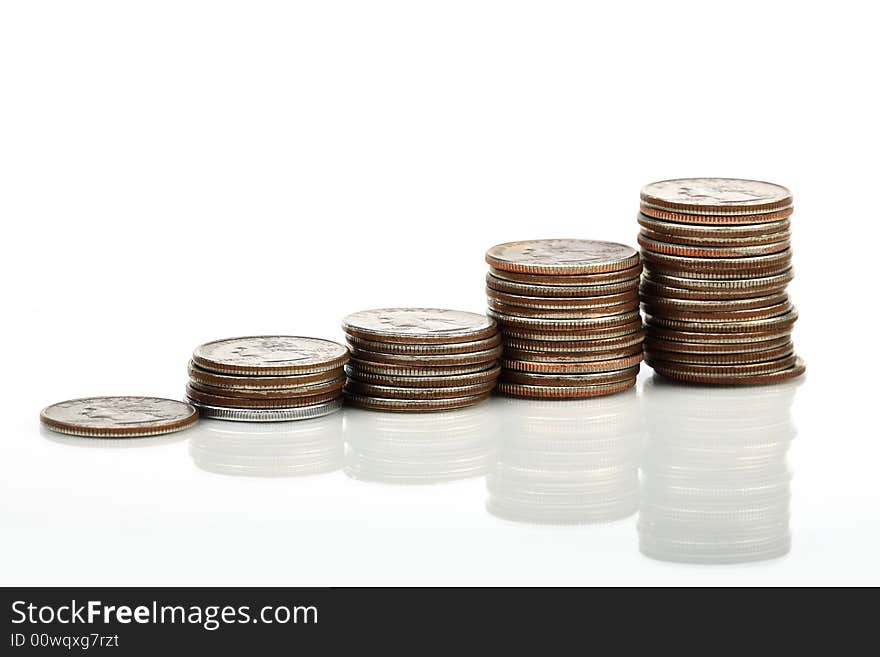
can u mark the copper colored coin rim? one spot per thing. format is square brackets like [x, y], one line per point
[590, 346]
[711, 265]
[798, 369]
[575, 335]
[562, 324]
[261, 382]
[716, 242]
[688, 358]
[270, 393]
[223, 401]
[718, 316]
[551, 303]
[674, 346]
[429, 360]
[743, 326]
[398, 370]
[710, 230]
[713, 304]
[739, 369]
[713, 252]
[571, 357]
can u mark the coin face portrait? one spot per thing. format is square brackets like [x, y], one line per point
[133, 416]
[417, 322]
[562, 255]
[270, 351]
[713, 192]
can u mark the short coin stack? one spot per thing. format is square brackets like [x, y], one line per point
[568, 311]
[420, 359]
[267, 378]
[717, 261]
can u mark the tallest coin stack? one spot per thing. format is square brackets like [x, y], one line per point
[717, 260]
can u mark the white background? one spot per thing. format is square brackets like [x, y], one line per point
[174, 172]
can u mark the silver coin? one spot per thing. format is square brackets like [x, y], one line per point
[562, 256]
[422, 349]
[563, 324]
[270, 354]
[716, 195]
[418, 324]
[118, 417]
[268, 414]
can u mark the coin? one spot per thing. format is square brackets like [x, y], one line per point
[706, 317]
[400, 392]
[554, 303]
[732, 287]
[744, 267]
[563, 291]
[576, 280]
[718, 196]
[418, 325]
[260, 382]
[435, 381]
[571, 380]
[118, 417]
[710, 305]
[358, 365]
[577, 346]
[408, 405]
[514, 321]
[786, 349]
[562, 256]
[716, 219]
[423, 349]
[560, 392]
[576, 334]
[797, 369]
[703, 251]
[269, 414]
[429, 360]
[572, 356]
[707, 337]
[771, 324]
[655, 344]
[571, 368]
[673, 230]
[271, 393]
[567, 313]
[264, 355]
[226, 401]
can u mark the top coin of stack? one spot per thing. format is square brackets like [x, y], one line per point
[267, 378]
[717, 262]
[420, 359]
[568, 311]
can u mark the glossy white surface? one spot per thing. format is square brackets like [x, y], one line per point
[179, 172]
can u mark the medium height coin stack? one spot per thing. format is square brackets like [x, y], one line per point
[717, 260]
[568, 311]
[420, 359]
[267, 378]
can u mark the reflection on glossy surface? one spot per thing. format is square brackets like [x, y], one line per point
[716, 483]
[114, 443]
[567, 462]
[268, 449]
[419, 448]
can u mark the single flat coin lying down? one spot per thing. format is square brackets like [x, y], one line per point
[118, 417]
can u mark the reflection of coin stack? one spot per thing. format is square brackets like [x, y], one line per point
[717, 262]
[420, 359]
[569, 314]
[570, 462]
[267, 378]
[269, 450]
[716, 484]
[419, 449]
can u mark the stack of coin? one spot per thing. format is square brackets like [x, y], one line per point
[568, 311]
[267, 378]
[717, 261]
[420, 359]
